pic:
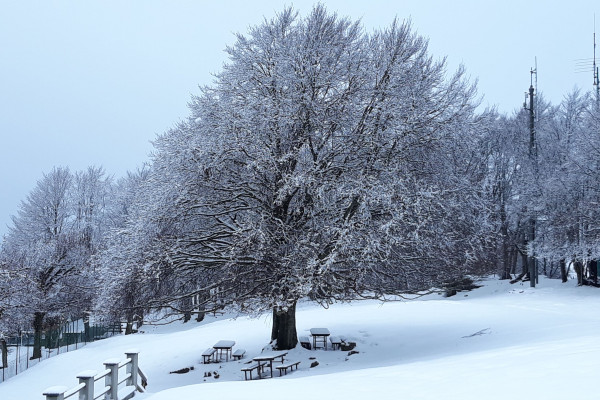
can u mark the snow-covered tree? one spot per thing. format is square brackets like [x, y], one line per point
[15, 287]
[51, 242]
[323, 162]
[571, 184]
[39, 240]
[505, 153]
[129, 264]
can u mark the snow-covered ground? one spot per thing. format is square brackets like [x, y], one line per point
[497, 342]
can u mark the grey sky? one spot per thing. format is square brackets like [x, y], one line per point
[92, 82]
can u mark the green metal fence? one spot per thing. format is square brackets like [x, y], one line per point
[67, 337]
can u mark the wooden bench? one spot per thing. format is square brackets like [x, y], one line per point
[208, 355]
[335, 342]
[238, 354]
[285, 367]
[248, 371]
[305, 342]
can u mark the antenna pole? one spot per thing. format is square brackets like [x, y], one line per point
[532, 114]
[530, 237]
[596, 74]
[531, 122]
[536, 88]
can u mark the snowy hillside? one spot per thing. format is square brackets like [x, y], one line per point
[500, 341]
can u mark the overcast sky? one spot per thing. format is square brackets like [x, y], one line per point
[93, 82]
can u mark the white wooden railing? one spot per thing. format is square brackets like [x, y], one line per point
[111, 391]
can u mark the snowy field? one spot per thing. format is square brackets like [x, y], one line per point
[497, 342]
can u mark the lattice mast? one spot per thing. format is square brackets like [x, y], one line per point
[530, 237]
[595, 68]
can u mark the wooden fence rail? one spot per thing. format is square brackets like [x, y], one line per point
[111, 391]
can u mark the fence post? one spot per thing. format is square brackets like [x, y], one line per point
[112, 379]
[87, 378]
[55, 393]
[132, 368]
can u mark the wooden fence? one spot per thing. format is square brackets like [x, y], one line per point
[110, 391]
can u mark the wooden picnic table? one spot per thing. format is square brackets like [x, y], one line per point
[265, 359]
[224, 346]
[319, 335]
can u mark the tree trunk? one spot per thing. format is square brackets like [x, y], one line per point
[524, 264]
[38, 324]
[578, 265]
[86, 328]
[593, 270]
[505, 253]
[284, 328]
[4, 349]
[187, 315]
[563, 270]
[186, 305]
[129, 324]
[513, 261]
[545, 270]
[532, 268]
[506, 257]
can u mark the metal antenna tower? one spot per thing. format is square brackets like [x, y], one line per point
[595, 67]
[535, 71]
[532, 109]
[530, 237]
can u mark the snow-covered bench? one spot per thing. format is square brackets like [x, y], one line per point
[305, 342]
[248, 370]
[208, 355]
[285, 367]
[335, 342]
[238, 354]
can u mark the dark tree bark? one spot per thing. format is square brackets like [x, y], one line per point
[579, 271]
[563, 270]
[129, 324]
[506, 260]
[187, 315]
[38, 325]
[524, 263]
[200, 316]
[186, 304]
[532, 270]
[4, 349]
[593, 270]
[506, 267]
[513, 261]
[86, 329]
[139, 319]
[284, 328]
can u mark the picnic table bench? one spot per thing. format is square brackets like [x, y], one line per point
[285, 367]
[208, 355]
[336, 342]
[248, 370]
[305, 342]
[238, 354]
[262, 362]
